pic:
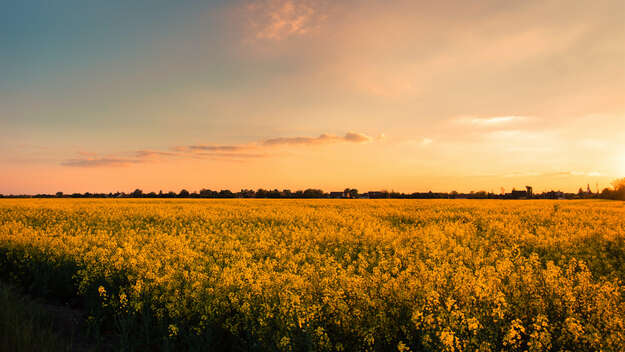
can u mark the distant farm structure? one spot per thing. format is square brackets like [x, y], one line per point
[527, 194]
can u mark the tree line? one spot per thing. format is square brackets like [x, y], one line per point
[616, 192]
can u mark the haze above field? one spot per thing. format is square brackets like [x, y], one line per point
[403, 95]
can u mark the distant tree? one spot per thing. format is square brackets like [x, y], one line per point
[313, 193]
[274, 194]
[619, 188]
[207, 193]
[59, 194]
[618, 183]
[183, 193]
[607, 193]
[137, 193]
[617, 192]
[351, 192]
[480, 194]
[247, 193]
[226, 193]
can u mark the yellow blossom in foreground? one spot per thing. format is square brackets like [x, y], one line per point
[329, 275]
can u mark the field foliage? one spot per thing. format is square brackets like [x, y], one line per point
[329, 275]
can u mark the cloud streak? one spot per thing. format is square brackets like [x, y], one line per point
[152, 153]
[100, 162]
[236, 152]
[351, 137]
[216, 148]
[494, 121]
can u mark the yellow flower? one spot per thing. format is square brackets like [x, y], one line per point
[173, 330]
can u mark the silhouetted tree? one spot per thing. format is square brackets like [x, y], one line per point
[247, 193]
[619, 188]
[313, 193]
[226, 193]
[606, 193]
[274, 194]
[480, 194]
[617, 192]
[207, 193]
[183, 193]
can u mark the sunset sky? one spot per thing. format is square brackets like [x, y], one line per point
[400, 95]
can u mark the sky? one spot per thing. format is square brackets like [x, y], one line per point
[106, 96]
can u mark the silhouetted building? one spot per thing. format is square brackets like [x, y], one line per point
[527, 194]
[517, 194]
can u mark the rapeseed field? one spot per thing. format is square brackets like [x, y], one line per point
[328, 275]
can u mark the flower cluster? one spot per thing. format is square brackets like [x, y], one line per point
[407, 275]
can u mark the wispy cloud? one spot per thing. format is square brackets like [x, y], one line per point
[211, 151]
[279, 19]
[499, 120]
[494, 121]
[217, 148]
[227, 155]
[152, 153]
[100, 162]
[356, 137]
[325, 138]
